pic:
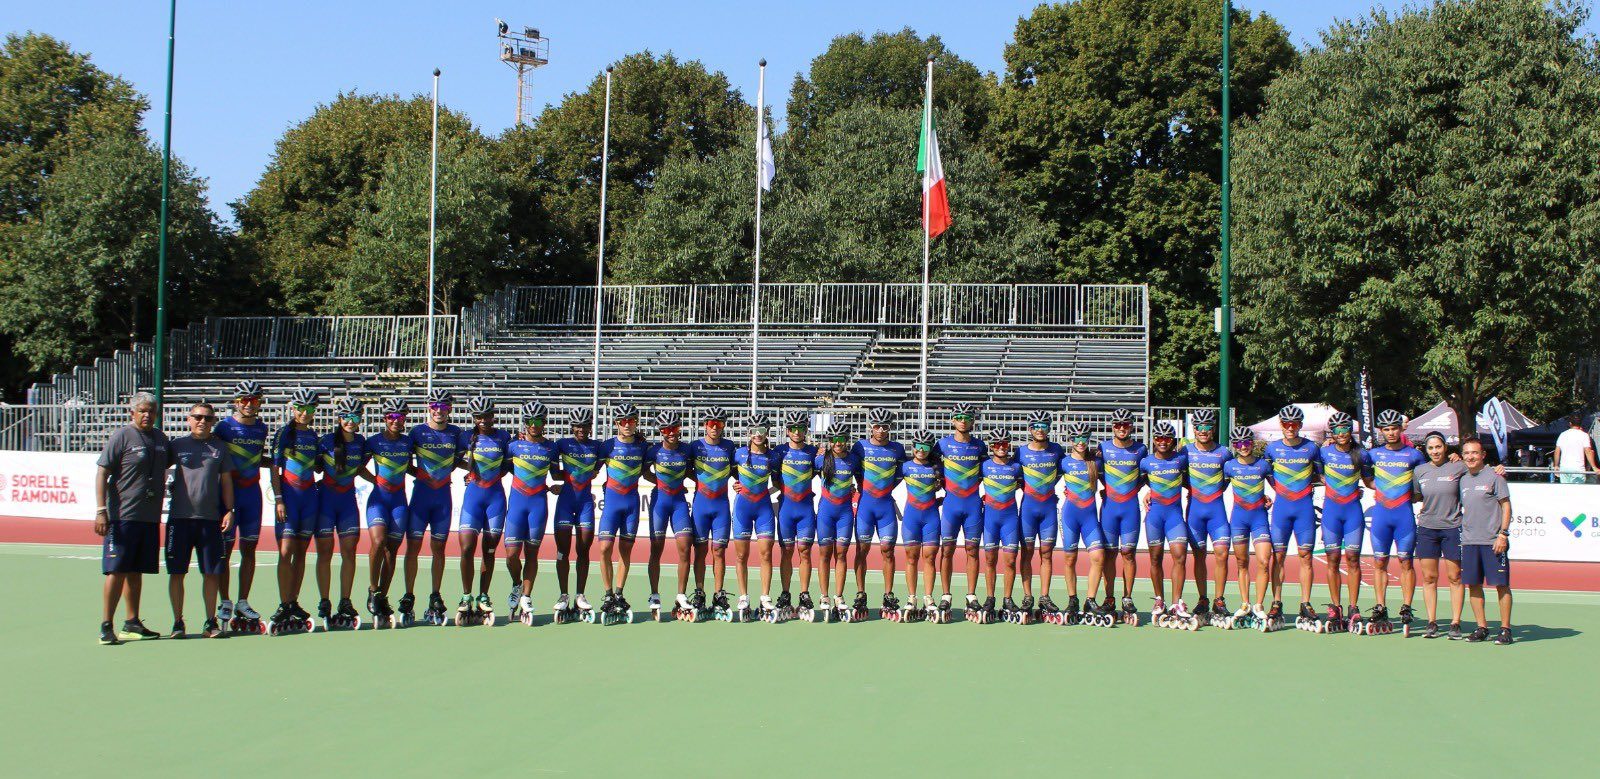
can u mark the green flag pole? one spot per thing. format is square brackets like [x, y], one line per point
[1226, 323]
[161, 257]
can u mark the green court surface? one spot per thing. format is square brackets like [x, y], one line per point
[793, 699]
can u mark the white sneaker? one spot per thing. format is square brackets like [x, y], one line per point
[225, 611]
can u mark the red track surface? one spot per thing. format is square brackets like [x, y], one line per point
[1527, 574]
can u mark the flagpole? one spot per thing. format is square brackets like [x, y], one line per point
[433, 213]
[927, 123]
[755, 300]
[161, 254]
[600, 263]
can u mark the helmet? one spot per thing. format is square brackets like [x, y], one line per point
[1291, 413]
[964, 409]
[396, 406]
[668, 418]
[880, 416]
[1077, 430]
[1389, 418]
[625, 410]
[1163, 429]
[533, 409]
[347, 406]
[248, 388]
[480, 405]
[834, 430]
[440, 396]
[757, 419]
[796, 418]
[1040, 417]
[1204, 416]
[1241, 434]
[305, 396]
[581, 416]
[1340, 419]
[999, 435]
[922, 438]
[1122, 416]
[714, 414]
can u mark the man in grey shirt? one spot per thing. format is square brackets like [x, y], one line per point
[1485, 539]
[129, 484]
[1435, 484]
[202, 494]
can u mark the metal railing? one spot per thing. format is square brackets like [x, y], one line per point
[365, 338]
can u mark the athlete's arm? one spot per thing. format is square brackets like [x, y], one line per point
[101, 518]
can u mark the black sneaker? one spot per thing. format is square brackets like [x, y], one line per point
[1504, 637]
[134, 630]
[1455, 631]
[108, 636]
[1432, 631]
[1478, 636]
[178, 630]
[212, 629]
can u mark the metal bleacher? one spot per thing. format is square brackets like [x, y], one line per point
[834, 349]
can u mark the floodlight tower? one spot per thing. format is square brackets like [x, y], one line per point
[524, 52]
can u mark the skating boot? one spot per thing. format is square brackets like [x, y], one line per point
[525, 610]
[246, 620]
[1011, 613]
[697, 599]
[654, 604]
[1334, 621]
[1051, 614]
[466, 611]
[827, 612]
[1093, 616]
[1182, 619]
[766, 610]
[435, 614]
[807, 610]
[1307, 619]
[346, 617]
[1405, 620]
[586, 613]
[683, 609]
[908, 610]
[974, 609]
[284, 622]
[609, 613]
[1130, 612]
[224, 615]
[1220, 616]
[1274, 618]
[891, 608]
[990, 614]
[562, 611]
[858, 609]
[624, 608]
[1158, 613]
[1377, 622]
[946, 604]
[407, 611]
[720, 607]
[324, 614]
[384, 616]
[485, 609]
[1244, 618]
[1357, 623]
[513, 602]
[1202, 612]
[785, 607]
[304, 616]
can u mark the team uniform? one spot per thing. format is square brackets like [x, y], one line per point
[1078, 520]
[483, 499]
[1393, 521]
[880, 474]
[337, 511]
[713, 466]
[836, 515]
[1119, 512]
[1292, 512]
[1206, 515]
[752, 507]
[245, 444]
[1164, 523]
[295, 453]
[436, 452]
[1041, 470]
[920, 526]
[1001, 525]
[386, 503]
[962, 510]
[1248, 523]
[528, 504]
[669, 502]
[1342, 518]
[580, 464]
[624, 464]
[797, 509]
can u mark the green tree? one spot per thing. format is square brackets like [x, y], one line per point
[80, 282]
[1109, 119]
[1422, 197]
[299, 223]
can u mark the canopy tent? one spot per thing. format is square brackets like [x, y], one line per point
[1315, 427]
[1497, 421]
[1545, 435]
[1440, 419]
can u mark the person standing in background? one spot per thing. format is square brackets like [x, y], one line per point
[1575, 452]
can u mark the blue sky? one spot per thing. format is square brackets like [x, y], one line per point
[246, 71]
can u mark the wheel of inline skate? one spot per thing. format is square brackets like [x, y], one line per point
[1405, 630]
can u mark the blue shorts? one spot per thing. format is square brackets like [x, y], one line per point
[1435, 544]
[483, 508]
[619, 518]
[246, 514]
[1164, 524]
[1480, 566]
[920, 527]
[387, 510]
[1207, 520]
[1119, 524]
[710, 518]
[1038, 521]
[574, 509]
[337, 512]
[1002, 528]
[429, 512]
[525, 518]
[131, 547]
[753, 518]
[1078, 523]
[1250, 526]
[300, 510]
[963, 516]
[880, 515]
[797, 520]
[199, 537]
[1342, 526]
[1396, 527]
[1296, 517]
[835, 522]
[669, 513]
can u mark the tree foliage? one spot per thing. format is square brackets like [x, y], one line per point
[1422, 197]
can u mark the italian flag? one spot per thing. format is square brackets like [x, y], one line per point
[935, 204]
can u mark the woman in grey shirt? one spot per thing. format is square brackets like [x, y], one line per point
[1436, 485]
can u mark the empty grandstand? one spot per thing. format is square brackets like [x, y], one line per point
[836, 349]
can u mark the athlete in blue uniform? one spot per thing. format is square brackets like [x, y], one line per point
[1080, 476]
[389, 460]
[344, 458]
[294, 487]
[436, 447]
[797, 508]
[1295, 465]
[623, 460]
[836, 512]
[1394, 525]
[1206, 514]
[579, 459]
[960, 458]
[485, 458]
[666, 466]
[1166, 470]
[1002, 528]
[919, 530]
[1248, 475]
[528, 504]
[1120, 481]
[877, 513]
[756, 472]
[1041, 471]
[712, 456]
[1345, 466]
[245, 436]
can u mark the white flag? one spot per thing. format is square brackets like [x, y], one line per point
[768, 167]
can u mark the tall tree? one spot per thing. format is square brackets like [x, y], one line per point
[1109, 118]
[1422, 197]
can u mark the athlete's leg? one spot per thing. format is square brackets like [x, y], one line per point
[1428, 569]
[1268, 561]
[764, 549]
[324, 563]
[1334, 558]
[1178, 549]
[347, 563]
[468, 540]
[377, 550]
[563, 549]
[585, 543]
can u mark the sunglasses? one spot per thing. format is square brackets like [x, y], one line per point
[438, 406]
[922, 447]
[759, 431]
[203, 418]
[351, 418]
[714, 423]
[1244, 444]
[669, 430]
[796, 428]
[1080, 439]
[1286, 423]
[1205, 428]
[1122, 426]
[533, 421]
[306, 409]
[395, 417]
[1000, 445]
[839, 440]
[249, 400]
[1040, 426]
[627, 420]
[1342, 429]
[962, 417]
[1165, 439]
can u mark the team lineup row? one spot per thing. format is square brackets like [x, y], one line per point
[998, 502]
